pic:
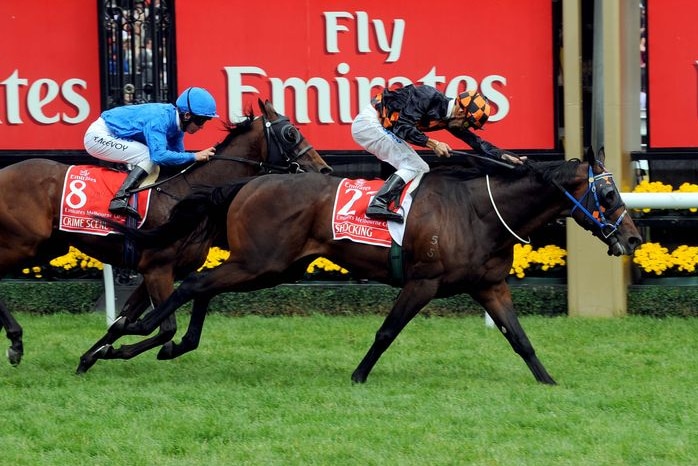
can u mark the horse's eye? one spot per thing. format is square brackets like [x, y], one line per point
[291, 134]
[610, 196]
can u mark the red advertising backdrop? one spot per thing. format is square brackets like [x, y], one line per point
[320, 61]
[49, 73]
[672, 47]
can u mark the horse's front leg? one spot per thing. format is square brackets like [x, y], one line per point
[190, 340]
[497, 302]
[14, 333]
[413, 297]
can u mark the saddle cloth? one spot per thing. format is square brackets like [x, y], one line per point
[87, 191]
[349, 219]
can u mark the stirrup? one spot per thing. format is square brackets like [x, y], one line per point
[382, 213]
[120, 206]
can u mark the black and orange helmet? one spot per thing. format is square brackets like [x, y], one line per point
[476, 106]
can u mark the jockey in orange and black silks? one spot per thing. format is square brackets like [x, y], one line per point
[405, 115]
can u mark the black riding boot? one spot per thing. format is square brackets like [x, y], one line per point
[386, 197]
[119, 205]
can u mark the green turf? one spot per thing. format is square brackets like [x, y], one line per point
[277, 391]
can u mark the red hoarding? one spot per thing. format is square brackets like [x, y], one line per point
[319, 62]
[672, 41]
[49, 73]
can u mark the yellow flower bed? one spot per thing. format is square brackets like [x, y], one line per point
[544, 258]
[525, 258]
[655, 259]
[324, 265]
[652, 258]
[216, 256]
[74, 262]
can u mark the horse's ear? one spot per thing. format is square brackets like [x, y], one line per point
[601, 156]
[589, 156]
[261, 104]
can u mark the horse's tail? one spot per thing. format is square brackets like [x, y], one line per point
[201, 215]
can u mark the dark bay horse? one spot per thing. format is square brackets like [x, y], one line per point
[29, 213]
[459, 238]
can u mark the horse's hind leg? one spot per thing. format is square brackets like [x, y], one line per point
[135, 306]
[14, 334]
[497, 301]
[413, 297]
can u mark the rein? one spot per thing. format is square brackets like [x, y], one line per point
[489, 191]
[286, 139]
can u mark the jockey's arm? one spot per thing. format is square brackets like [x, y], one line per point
[487, 149]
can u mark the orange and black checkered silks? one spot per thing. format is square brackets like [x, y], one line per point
[387, 120]
[476, 107]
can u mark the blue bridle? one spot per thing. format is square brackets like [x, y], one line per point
[599, 184]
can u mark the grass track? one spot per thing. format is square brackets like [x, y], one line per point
[277, 391]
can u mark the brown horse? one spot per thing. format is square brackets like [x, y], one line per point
[459, 238]
[29, 214]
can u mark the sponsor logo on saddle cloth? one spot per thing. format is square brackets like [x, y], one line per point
[349, 219]
[87, 191]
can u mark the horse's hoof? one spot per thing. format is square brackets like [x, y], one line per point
[14, 356]
[89, 360]
[167, 351]
[356, 378]
[84, 365]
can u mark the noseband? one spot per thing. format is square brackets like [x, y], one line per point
[590, 205]
[287, 140]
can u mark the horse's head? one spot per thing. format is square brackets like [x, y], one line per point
[598, 207]
[286, 144]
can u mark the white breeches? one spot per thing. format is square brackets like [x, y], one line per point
[101, 144]
[368, 132]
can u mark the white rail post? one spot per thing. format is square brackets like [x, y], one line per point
[109, 295]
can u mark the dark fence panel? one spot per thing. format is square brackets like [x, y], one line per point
[137, 49]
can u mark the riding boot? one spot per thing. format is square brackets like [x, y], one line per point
[119, 204]
[386, 200]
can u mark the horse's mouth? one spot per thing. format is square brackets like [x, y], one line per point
[617, 248]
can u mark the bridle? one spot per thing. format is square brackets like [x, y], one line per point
[285, 151]
[287, 141]
[595, 214]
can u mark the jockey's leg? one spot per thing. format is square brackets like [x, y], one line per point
[119, 204]
[387, 200]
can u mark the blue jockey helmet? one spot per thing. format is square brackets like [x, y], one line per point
[197, 101]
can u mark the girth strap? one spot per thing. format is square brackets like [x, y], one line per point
[396, 264]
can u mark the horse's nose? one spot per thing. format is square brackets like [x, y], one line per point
[326, 170]
[634, 242]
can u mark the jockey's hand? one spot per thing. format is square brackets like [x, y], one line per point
[440, 148]
[205, 155]
[513, 158]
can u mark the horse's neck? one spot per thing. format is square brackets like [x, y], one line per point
[523, 205]
[218, 172]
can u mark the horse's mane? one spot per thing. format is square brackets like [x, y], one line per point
[235, 129]
[560, 171]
